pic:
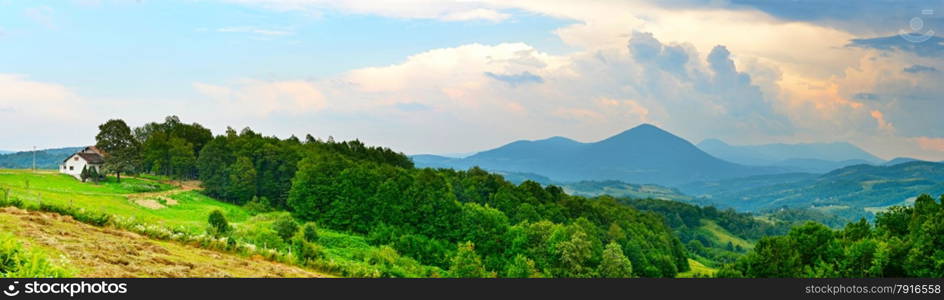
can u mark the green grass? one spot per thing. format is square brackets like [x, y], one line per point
[343, 254]
[18, 261]
[723, 236]
[110, 197]
[697, 270]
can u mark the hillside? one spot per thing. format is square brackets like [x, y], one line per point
[45, 159]
[107, 252]
[806, 157]
[858, 187]
[150, 214]
[642, 155]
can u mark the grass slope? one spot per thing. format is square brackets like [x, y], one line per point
[107, 252]
[697, 270]
[154, 204]
[723, 236]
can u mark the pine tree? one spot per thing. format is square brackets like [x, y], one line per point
[84, 175]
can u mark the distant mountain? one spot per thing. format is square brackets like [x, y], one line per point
[5, 151]
[864, 187]
[900, 160]
[810, 157]
[45, 159]
[642, 155]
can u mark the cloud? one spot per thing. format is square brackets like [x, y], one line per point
[43, 15]
[516, 79]
[914, 69]
[47, 110]
[933, 47]
[402, 9]
[263, 98]
[933, 144]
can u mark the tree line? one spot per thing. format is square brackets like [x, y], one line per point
[472, 223]
[903, 242]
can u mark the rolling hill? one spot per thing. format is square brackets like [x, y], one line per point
[45, 159]
[808, 157]
[645, 154]
[861, 187]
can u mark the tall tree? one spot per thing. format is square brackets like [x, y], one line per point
[120, 146]
[615, 264]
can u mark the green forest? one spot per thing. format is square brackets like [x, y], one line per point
[474, 223]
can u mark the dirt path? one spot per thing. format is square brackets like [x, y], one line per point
[158, 200]
[108, 252]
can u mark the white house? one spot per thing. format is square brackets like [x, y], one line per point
[89, 157]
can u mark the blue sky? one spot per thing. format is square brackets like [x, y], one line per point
[427, 76]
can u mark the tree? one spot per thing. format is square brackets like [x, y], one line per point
[120, 146]
[614, 263]
[242, 181]
[574, 255]
[218, 223]
[94, 175]
[285, 226]
[522, 267]
[84, 175]
[467, 264]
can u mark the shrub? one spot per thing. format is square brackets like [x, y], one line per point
[310, 232]
[259, 205]
[218, 223]
[286, 227]
[309, 251]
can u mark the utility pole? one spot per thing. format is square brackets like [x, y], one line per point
[34, 158]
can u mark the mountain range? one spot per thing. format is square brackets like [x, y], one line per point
[867, 187]
[806, 157]
[644, 154]
[45, 159]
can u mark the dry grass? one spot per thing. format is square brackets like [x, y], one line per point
[108, 252]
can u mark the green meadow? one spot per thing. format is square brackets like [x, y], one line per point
[156, 201]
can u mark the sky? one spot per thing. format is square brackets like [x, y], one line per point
[428, 76]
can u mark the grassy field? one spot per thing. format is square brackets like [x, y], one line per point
[177, 207]
[106, 252]
[120, 199]
[723, 236]
[697, 270]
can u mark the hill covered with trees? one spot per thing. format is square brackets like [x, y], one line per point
[45, 159]
[903, 242]
[472, 223]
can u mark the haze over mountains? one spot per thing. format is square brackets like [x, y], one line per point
[644, 154]
[45, 159]
[647, 154]
[807, 157]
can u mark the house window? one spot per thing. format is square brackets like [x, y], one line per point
[76, 158]
[71, 168]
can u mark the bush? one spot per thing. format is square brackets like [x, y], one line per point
[259, 205]
[286, 227]
[309, 251]
[19, 262]
[218, 223]
[310, 232]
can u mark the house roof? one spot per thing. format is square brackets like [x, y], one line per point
[92, 158]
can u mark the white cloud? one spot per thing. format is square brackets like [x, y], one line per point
[263, 98]
[32, 112]
[403, 9]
